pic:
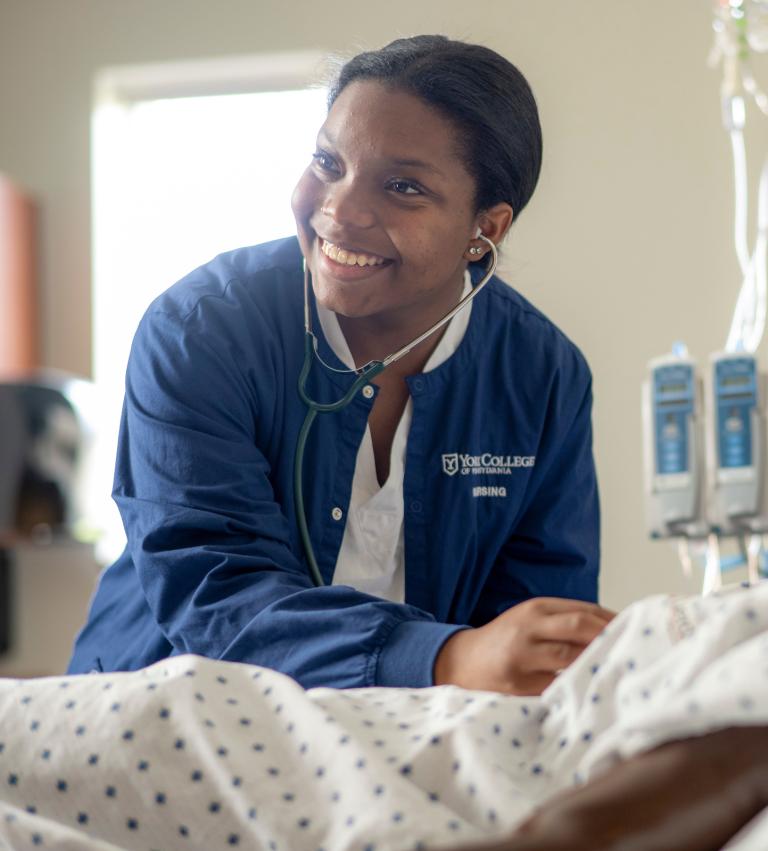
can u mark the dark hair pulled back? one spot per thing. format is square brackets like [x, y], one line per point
[485, 96]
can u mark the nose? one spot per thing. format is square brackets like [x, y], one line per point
[349, 204]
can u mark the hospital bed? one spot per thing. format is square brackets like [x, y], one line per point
[195, 753]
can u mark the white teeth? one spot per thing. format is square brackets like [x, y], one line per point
[349, 258]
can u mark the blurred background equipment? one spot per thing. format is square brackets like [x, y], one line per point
[45, 436]
[736, 444]
[674, 457]
[46, 439]
[733, 511]
[46, 425]
[18, 355]
[18, 290]
[741, 27]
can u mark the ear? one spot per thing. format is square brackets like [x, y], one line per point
[496, 221]
[493, 223]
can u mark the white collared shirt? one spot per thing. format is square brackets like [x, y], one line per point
[371, 558]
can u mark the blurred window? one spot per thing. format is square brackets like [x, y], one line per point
[189, 160]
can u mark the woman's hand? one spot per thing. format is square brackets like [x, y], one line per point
[521, 650]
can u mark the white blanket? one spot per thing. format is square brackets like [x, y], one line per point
[192, 753]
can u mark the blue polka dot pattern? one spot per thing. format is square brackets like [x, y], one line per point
[197, 753]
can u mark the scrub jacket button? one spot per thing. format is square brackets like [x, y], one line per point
[418, 384]
[368, 391]
[337, 513]
[416, 506]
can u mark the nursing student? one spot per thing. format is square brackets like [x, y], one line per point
[452, 507]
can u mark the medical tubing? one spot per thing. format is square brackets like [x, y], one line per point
[760, 259]
[753, 558]
[713, 576]
[741, 199]
[751, 86]
[740, 324]
[490, 271]
[301, 516]
[684, 554]
[371, 370]
[748, 323]
[755, 281]
[313, 409]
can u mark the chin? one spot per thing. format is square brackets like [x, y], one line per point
[348, 308]
[341, 299]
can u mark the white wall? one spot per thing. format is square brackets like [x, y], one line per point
[626, 244]
[50, 590]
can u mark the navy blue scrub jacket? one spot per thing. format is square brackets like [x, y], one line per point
[499, 492]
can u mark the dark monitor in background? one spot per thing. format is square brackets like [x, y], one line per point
[43, 440]
[42, 443]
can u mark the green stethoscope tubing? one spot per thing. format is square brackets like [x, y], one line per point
[313, 409]
[364, 375]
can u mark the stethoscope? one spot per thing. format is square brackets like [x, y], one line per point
[364, 375]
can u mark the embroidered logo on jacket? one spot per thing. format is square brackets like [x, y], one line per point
[481, 490]
[487, 463]
[451, 463]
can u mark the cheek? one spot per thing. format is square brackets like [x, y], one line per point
[437, 250]
[304, 199]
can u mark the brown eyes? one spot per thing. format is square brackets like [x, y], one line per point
[405, 187]
[325, 162]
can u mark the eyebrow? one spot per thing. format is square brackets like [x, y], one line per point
[419, 164]
[399, 161]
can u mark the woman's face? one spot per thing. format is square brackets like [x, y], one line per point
[385, 210]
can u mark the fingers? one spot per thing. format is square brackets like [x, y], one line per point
[562, 632]
[573, 627]
[552, 656]
[557, 605]
[522, 649]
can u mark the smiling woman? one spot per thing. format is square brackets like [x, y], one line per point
[438, 557]
[404, 201]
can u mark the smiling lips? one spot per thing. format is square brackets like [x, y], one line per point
[347, 257]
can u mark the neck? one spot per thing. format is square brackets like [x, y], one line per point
[376, 337]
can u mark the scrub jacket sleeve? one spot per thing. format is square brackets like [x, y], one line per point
[209, 541]
[555, 549]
